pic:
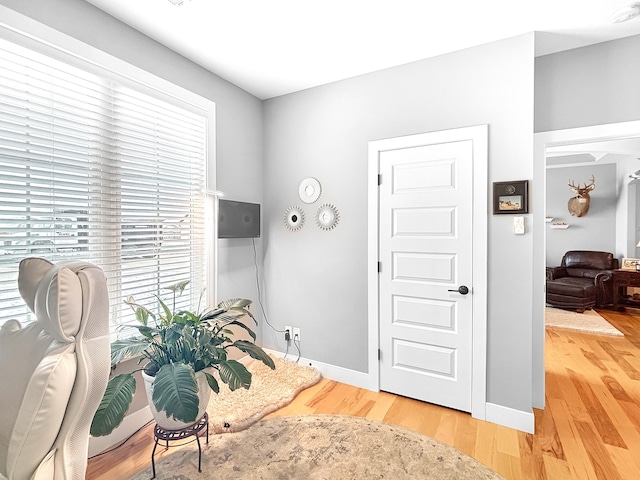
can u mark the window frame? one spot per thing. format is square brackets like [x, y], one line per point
[36, 36]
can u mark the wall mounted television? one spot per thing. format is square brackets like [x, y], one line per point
[238, 219]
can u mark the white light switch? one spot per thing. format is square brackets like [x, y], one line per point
[518, 225]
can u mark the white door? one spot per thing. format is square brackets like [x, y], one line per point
[426, 266]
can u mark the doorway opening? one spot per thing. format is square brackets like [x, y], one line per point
[581, 149]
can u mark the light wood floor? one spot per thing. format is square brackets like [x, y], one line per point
[590, 428]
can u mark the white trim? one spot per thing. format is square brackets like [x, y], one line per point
[31, 33]
[130, 425]
[509, 417]
[332, 372]
[479, 136]
[541, 141]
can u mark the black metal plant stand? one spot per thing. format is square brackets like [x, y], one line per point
[163, 434]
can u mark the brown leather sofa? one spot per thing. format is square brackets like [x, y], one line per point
[582, 281]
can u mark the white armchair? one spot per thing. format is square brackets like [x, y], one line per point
[53, 372]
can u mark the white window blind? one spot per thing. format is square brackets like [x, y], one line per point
[95, 170]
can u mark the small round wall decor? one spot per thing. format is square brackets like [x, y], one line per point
[309, 190]
[294, 218]
[327, 217]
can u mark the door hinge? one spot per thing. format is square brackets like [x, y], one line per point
[379, 354]
[379, 179]
[379, 267]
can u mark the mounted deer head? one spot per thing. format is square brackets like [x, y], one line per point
[579, 205]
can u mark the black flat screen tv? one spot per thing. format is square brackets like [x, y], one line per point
[238, 219]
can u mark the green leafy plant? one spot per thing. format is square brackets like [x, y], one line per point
[176, 345]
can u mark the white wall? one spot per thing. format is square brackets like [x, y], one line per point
[238, 115]
[318, 280]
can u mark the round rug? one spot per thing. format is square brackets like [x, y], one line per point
[321, 447]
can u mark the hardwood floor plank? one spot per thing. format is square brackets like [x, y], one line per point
[576, 456]
[509, 466]
[601, 462]
[620, 360]
[507, 441]
[619, 418]
[466, 433]
[415, 415]
[598, 415]
[626, 462]
[447, 428]
[485, 446]
[618, 392]
[531, 460]
[383, 402]
[556, 469]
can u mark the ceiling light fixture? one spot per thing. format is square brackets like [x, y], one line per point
[625, 13]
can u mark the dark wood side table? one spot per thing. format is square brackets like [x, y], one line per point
[623, 278]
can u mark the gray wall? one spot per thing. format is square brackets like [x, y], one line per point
[238, 114]
[586, 86]
[594, 231]
[318, 280]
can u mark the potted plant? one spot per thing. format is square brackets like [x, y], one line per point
[182, 350]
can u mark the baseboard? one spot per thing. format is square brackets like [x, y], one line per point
[332, 372]
[130, 425]
[509, 417]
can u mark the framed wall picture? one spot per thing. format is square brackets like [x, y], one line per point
[511, 197]
[631, 264]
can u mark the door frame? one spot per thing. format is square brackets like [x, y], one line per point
[542, 140]
[479, 136]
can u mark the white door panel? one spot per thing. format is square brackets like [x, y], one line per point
[425, 250]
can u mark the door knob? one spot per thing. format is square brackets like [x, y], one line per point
[462, 289]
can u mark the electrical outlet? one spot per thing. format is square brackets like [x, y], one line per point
[289, 329]
[296, 334]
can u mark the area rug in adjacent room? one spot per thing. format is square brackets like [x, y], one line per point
[327, 447]
[270, 390]
[590, 321]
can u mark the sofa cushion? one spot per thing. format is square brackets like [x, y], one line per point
[587, 259]
[589, 273]
[572, 287]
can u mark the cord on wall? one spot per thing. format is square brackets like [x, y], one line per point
[264, 314]
[296, 342]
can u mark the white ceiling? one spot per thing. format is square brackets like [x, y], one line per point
[275, 47]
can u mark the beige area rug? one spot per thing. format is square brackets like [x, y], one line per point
[270, 390]
[315, 447]
[589, 321]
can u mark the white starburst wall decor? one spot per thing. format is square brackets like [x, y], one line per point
[294, 218]
[327, 216]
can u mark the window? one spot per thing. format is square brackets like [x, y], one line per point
[96, 169]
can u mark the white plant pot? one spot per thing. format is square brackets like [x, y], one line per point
[169, 423]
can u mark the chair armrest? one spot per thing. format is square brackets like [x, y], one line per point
[556, 272]
[604, 287]
[603, 276]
